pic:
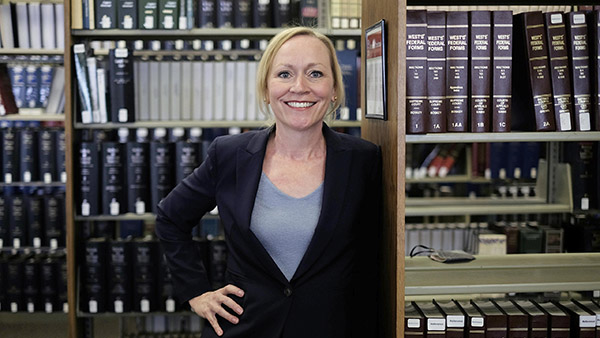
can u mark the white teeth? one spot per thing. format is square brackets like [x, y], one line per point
[300, 104]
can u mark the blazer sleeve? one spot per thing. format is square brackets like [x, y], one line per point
[177, 215]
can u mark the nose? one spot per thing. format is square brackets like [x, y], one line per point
[299, 85]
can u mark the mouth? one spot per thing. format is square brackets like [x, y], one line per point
[300, 104]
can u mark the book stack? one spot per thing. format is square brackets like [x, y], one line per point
[32, 25]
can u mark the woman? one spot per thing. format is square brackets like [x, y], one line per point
[299, 207]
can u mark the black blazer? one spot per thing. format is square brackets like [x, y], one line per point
[333, 292]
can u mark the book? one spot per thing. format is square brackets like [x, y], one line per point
[137, 177]
[187, 88]
[54, 219]
[474, 320]
[17, 76]
[165, 87]
[197, 103]
[414, 320]
[59, 20]
[242, 13]
[496, 321]
[282, 12]
[122, 98]
[27, 145]
[106, 14]
[31, 285]
[531, 239]
[594, 42]
[94, 87]
[309, 13]
[120, 276]
[60, 153]
[49, 279]
[10, 154]
[167, 299]
[57, 90]
[208, 94]
[436, 72]
[537, 320]
[558, 320]
[168, 14]
[154, 82]
[34, 204]
[217, 258]
[207, 13]
[517, 320]
[45, 84]
[225, 14]
[592, 308]
[35, 25]
[188, 156]
[15, 205]
[13, 272]
[457, 68]
[261, 13]
[502, 70]
[583, 322]
[579, 53]
[85, 101]
[534, 94]
[240, 106]
[230, 95]
[455, 319]
[161, 168]
[4, 233]
[112, 179]
[32, 86]
[22, 17]
[148, 14]
[8, 26]
[581, 157]
[94, 276]
[416, 69]
[145, 268]
[8, 104]
[48, 25]
[127, 14]
[480, 23]
[560, 72]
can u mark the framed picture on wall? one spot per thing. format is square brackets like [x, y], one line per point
[375, 88]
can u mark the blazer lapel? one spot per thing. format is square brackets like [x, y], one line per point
[335, 183]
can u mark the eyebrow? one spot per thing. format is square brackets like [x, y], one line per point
[289, 65]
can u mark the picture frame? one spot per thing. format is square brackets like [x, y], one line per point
[375, 72]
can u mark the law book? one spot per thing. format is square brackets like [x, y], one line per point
[85, 101]
[120, 276]
[8, 26]
[127, 14]
[593, 308]
[230, 96]
[474, 320]
[137, 177]
[251, 103]
[106, 14]
[102, 84]
[54, 219]
[225, 14]
[92, 74]
[148, 14]
[168, 14]
[142, 89]
[261, 13]
[457, 71]
[7, 98]
[57, 90]
[10, 154]
[154, 82]
[282, 12]
[145, 268]
[416, 68]
[242, 13]
[583, 322]
[32, 86]
[22, 17]
[512, 235]
[455, 319]
[161, 169]
[197, 103]
[502, 32]
[35, 25]
[517, 320]
[94, 276]
[45, 83]
[188, 156]
[60, 153]
[4, 233]
[496, 321]
[17, 76]
[165, 87]
[436, 72]
[309, 13]
[17, 219]
[579, 51]
[581, 157]
[112, 179]
[531, 41]
[207, 13]
[122, 98]
[49, 277]
[414, 321]
[594, 42]
[560, 72]
[34, 204]
[61, 263]
[167, 299]
[28, 159]
[48, 26]
[480, 23]
[537, 320]
[187, 88]
[13, 273]
[558, 320]
[31, 285]
[240, 105]
[89, 14]
[208, 87]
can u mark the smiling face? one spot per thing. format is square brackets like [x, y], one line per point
[300, 83]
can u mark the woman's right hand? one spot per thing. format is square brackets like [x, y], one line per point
[210, 304]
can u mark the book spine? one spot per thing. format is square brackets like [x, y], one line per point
[122, 98]
[127, 14]
[94, 277]
[165, 87]
[112, 178]
[188, 157]
[16, 219]
[145, 293]
[94, 88]
[148, 14]
[17, 79]
[161, 171]
[106, 14]
[120, 278]
[28, 166]
[85, 100]
[89, 172]
[35, 25]
[54, 219]
[580, 155]
[175, 80]
[7, 97]
[46, 77]
[502, 70]
[31, 284]
[168, 14]
[436, 71]
[34, 204]
[282, 12]
[480, 79]
[457, 59]
[242, 14]
[60, 152]
[225, 13]
[138, 177]
[580, 68]
[14, 282]
[309, 12]
[165, 286]
[595, 57]
[207, 15]
[10, 153]
[49, 284]
[4, 231]
[261, 13]
[32, 86]
[560, 70]
[416, 68]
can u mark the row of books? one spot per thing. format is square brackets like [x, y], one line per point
[132, 173]
[503, 318]
[32, 25]
[37, 87]
[345, 14]
[515, 8]
[188, 14]
[122, 275]
[32, 152]
[32, 217]
[33, 281]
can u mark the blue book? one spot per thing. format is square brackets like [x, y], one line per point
[348, 64]
[17, 79]
[498, 160]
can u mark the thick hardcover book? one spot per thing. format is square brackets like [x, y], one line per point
[31, 283]
[225, 13]
[457, 71]
[207, 13]
[502, 69]
[60, 152]
[85, 101]
[17, 79]
[188, 156]
[164, 85]
[242, 13]
[414, 321]
[54, 222]
[512, 235]
[560, 72]
[282, 12]
[455, 319]
[17, 227]
[168, 302]
[3, 263]
[10, 153]
[594, 41]
[580, 155]
[127, 14]
[46, 77]
[496, 321]
[558, 320]
[347, 60]
[32, 86]
[22, 19]
[416, 69]
[145, 270]
[531, 240]
[137, 178]
[13, 285]
[161, 171]
[47, 155]
[148, 14]
[168, 14]
[436, 71]
[309, 12]
[28, 165]
[7, 98]
[261, 13]
[94, 276]
[120, 276]
[49, 274]
[34, 204]
[583, 322]
[113, 177]
[537, 320]
[4, 233]
[532, 95]
[481, 72]
[518, 324]
[217, 262]
[187, 88]
[579, 53]
[154, 82]
[474, 320]
[208, 97]
[122, 98]
[35, 25]
[435, 319]
[106, 14]
[175, 84]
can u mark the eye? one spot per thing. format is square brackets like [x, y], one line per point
[316, 74]
[284, 75]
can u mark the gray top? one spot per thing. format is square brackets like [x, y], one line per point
[285, 224]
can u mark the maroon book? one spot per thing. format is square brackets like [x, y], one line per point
[579, 53]
[457, 71]
[436, 71]
[481, 51]
[502, 68]
[416, 71]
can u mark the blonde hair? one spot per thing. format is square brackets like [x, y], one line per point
[264, 67]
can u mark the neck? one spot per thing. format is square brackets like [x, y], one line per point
[299, 144]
